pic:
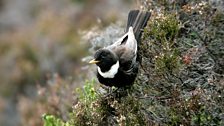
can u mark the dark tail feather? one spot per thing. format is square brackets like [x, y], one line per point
[138, 20]
[131, 18]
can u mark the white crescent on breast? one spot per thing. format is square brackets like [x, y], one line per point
[110, 73]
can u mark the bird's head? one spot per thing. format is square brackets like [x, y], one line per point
[104, 58]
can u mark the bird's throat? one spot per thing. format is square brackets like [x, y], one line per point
[111, 72]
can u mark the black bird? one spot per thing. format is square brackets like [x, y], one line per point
[117, 64]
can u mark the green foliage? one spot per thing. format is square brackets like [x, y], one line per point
[174, 76]
[164, 28]
[174, 118]
[202, 118]
[118, 108]
[83, 110]
[177, 84]
[50, 120]
[168, 62]
[218, 18]
[86, 107]
[131, 112]
[87, 94]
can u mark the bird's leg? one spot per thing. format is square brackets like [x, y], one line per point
[112, 91]
[122, 91]
[104, 90]
[115, 91]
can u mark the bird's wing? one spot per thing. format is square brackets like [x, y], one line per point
[120, 41]
[127, 57]
[127, 41]
[126, 49]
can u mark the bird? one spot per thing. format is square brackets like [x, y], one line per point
[118, 63]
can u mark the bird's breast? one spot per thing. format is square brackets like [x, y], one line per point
[111, 72]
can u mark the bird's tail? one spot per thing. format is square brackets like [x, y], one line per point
[138, 20]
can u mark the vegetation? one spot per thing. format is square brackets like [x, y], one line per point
[50, 120]
[181, 76]
[180, 81]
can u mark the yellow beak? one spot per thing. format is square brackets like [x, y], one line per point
[93, 61]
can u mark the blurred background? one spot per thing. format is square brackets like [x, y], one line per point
[42, 43]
